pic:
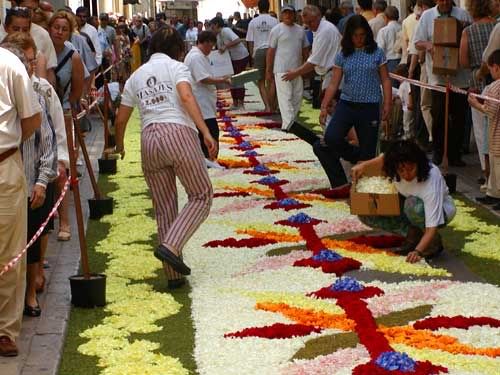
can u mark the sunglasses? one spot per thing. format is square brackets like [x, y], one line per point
[19, 12]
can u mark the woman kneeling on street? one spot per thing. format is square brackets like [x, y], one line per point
[170, 148]
[426, 204]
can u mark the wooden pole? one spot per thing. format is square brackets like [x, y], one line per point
[105, 114]
[68, 122]
[88, 164]
[446, 119]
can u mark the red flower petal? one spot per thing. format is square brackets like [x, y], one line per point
[367, 292]
[342, 192]
[422, 368]
[232, 194]
[276, 331]
[379, 242]
[245, 242]
[338, 267]
[459, 321]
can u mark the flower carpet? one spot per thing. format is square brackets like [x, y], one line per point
[281, 278]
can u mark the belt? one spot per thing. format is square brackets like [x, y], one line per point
[7, 153]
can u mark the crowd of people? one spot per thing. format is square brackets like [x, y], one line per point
[49, 66]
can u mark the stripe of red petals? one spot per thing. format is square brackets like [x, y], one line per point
[336, 193]
[245, 242]
[459, 321]
[422, 368]
[379, 242]
[338, 267]
[276, 331]
[232, 194]
[367, 292]
[276, 206]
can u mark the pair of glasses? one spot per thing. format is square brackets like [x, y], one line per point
[19, 12]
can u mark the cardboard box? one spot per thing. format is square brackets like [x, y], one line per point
[445, 60]
[447, 32]
[251, 75]
[372, 204]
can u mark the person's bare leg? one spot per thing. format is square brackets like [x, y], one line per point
[261, 83]
[64, 207]
[273, 101]
[44, 242]
[32, 273]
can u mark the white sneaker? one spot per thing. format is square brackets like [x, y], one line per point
[213, 164]
[483, 188]
[79, 162]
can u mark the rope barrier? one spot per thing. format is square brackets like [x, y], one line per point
[107, 70]
[442, 89]
[39, 232]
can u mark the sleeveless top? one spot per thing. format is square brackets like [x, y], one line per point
[478, 35]
[63, 77]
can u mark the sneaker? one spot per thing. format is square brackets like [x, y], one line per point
[488, 200]
[79, 162]
[483, 188]
[213, 164]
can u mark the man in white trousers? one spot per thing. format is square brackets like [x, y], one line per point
[287, 50]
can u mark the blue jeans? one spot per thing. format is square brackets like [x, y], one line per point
[365, 118]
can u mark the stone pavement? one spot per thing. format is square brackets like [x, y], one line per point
[42, 339]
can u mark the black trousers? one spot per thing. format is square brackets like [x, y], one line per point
[213, 127]
[456, 124]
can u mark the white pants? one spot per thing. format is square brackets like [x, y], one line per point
[480, 126]
[289, 98]
[426, 101]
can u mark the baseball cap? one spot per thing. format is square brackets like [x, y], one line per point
[288, 7]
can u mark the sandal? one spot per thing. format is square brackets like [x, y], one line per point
[64, 235]
[31, 311]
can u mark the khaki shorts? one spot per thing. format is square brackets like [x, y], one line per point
[259, 62]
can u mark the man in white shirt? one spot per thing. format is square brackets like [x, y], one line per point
[19, 118]
[388, 38]
[204, 82]
[378, 22]
[82, 16]
[326, 44]
[287, 50]
[258, 42]
[458, 103]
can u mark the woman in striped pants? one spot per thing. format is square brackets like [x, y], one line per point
[170, 147]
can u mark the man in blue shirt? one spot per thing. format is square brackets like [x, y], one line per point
[347, 11]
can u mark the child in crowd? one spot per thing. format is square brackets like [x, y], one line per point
[492, 109]
[405, 94]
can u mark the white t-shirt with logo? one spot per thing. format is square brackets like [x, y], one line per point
[288, 42]
[259, 29]
[205, 94]
[152, 88]
[237, 52]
